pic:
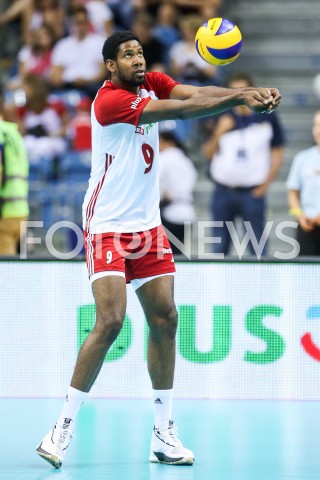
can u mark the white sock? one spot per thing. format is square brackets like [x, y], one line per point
[74, 399]
[162, 401]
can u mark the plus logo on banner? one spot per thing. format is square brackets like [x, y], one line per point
[273, 344]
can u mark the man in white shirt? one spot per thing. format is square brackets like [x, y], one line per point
[76, 59]
[245, 152]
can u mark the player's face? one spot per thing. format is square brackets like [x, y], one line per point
[130, 64]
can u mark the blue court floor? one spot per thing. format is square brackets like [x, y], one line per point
[241, 440]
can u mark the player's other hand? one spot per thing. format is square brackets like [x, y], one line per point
[262, 100]
[276, 95]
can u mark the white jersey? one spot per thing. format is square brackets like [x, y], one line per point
[123, 192]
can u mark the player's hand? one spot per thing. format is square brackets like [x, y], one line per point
[262, 100]
[276, 95]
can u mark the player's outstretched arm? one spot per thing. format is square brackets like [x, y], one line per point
[258, 100]
[183, 92]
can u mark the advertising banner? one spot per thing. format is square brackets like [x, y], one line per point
[246, 331]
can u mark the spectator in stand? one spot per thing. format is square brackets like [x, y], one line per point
[303, 186]
[184, 6]
[125, 10]
[185, 63]
[14, 167]
[79, 127]
[177, 181]
[245, 152]
[153, 50]
[33, 14]
[166, 30]
[19, 9]
[76, 59]
[100, 15]
[41, 124]
[35, 58]
[190, 6]
[49, 12]
[210, 9]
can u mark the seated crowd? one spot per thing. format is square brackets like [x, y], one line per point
[58, 66]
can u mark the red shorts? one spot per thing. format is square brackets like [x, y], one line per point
[137, 255]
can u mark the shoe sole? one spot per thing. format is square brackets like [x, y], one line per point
[168, 461]
[52, 459]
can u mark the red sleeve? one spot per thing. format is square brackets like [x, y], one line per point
[161, 84]
[118, 106]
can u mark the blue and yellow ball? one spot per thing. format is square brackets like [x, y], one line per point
[218, 41]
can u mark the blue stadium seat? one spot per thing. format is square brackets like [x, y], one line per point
[75, 167]
[41, 171]
[70, 98]
[41, 206]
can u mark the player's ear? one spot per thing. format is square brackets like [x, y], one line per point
[111, 65]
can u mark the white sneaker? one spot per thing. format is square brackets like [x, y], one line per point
[53, 446]
[167, 448]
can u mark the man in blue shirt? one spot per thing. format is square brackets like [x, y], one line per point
[303, 186]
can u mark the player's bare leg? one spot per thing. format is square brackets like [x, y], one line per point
[110, 298]
[156, 298]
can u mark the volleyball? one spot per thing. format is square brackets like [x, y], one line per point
[218, 41]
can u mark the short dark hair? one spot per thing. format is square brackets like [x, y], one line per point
[111, 45]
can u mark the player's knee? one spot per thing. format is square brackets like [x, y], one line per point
[114, 330]
[165, 324]
[109, 329]
[173, 320]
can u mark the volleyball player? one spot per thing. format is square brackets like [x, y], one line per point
[124, 239]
